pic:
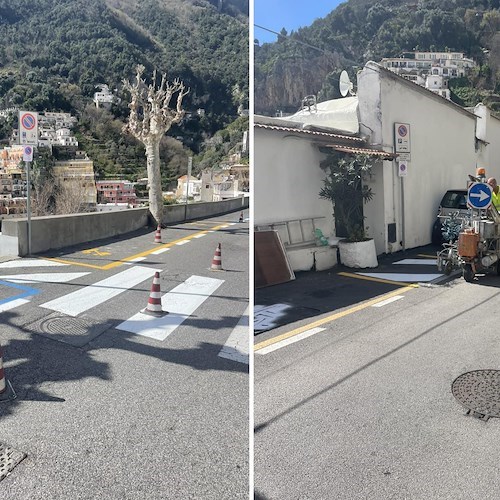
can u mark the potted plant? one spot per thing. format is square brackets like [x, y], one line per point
[344, 187]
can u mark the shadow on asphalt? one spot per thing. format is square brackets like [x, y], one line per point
[36, 364]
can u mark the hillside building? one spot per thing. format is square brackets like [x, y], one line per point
[104, 98]
[430, 69]
[191, 188]
[13, 185]
[77, 176]
[116, 192]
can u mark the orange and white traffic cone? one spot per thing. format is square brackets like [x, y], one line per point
[6, 391]
[241, 217]
[158, 234]
[154, 302]
[217, 260]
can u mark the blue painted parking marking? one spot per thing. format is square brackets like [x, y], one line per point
[26, 291]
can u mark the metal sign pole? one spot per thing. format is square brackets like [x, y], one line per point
[28, 203]
[190, 165]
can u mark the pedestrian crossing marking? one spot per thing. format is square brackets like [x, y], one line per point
[378, 279]
[42, 277]
[424, 262]
[402, 277]
[30, 263]
[237, 346]
[180, 303]
[90, 296]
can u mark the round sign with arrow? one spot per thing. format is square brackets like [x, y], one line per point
[479, 195]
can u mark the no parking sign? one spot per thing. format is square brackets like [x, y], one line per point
[28, 128]
[28, 153]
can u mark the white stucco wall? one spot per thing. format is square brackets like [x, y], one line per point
[488, 130]
[442, 154]
[288, 179]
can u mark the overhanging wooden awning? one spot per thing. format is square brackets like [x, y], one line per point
[384, 155]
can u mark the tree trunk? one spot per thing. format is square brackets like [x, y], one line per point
[154, 177]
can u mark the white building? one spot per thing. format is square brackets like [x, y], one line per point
[444, 143]
[104, 97]
[191, 188]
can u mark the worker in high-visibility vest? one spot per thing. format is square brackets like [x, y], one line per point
[495, 197]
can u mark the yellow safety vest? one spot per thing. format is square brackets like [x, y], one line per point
[496, 200]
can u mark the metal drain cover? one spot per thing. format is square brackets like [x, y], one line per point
[74, 331]
[479, 392]
[9, 458]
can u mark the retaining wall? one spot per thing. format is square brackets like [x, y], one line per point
[61, 231]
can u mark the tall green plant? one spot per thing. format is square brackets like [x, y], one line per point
[344, 187]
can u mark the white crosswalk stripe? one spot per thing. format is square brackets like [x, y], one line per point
[91, 296]
[30, 263]
[42, 277]
[180, 303]
[237, 346]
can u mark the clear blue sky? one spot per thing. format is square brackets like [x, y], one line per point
[288, 14]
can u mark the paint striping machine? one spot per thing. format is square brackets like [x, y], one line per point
[477, 248]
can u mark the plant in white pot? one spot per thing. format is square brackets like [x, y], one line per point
[344, 187]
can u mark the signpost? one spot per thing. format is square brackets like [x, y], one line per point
[28, 137]
[190, 165]
[479, 196]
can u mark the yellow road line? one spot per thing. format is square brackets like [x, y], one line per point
[378, 280]
[331, 318]
[117, 263]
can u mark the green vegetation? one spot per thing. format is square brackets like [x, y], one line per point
[358, 31]
[53, 53]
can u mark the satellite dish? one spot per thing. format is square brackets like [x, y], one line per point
[345, 85]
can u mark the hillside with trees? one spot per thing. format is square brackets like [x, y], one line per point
[309, 61]
[53, 54]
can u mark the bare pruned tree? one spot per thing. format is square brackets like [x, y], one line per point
[150, 118]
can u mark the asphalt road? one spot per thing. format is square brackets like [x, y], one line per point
[363, 408]
[103, 411]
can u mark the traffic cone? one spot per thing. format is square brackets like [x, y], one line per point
[158, 234]
[217, 260]
[241, 217]
[154, 302]
[6, 391]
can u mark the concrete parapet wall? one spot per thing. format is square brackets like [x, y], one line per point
[61, 231]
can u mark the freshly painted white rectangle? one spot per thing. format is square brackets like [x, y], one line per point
[237, 346]
[161, 250]
[138, 259]
[388, 301]
[180, 303]
[425, 262]
[42, 277]
[90, 296]
[13, 303]
[200, 235]
[407, 278]
[30, 263]
[291, 340]
[182, 242]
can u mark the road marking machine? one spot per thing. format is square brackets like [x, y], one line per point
[474, 242]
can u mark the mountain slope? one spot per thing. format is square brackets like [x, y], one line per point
[358, 31]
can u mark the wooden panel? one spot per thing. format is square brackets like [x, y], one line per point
[271, 265]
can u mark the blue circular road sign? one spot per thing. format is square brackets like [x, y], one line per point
[479, 195]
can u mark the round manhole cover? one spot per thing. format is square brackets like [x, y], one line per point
[479, 391]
